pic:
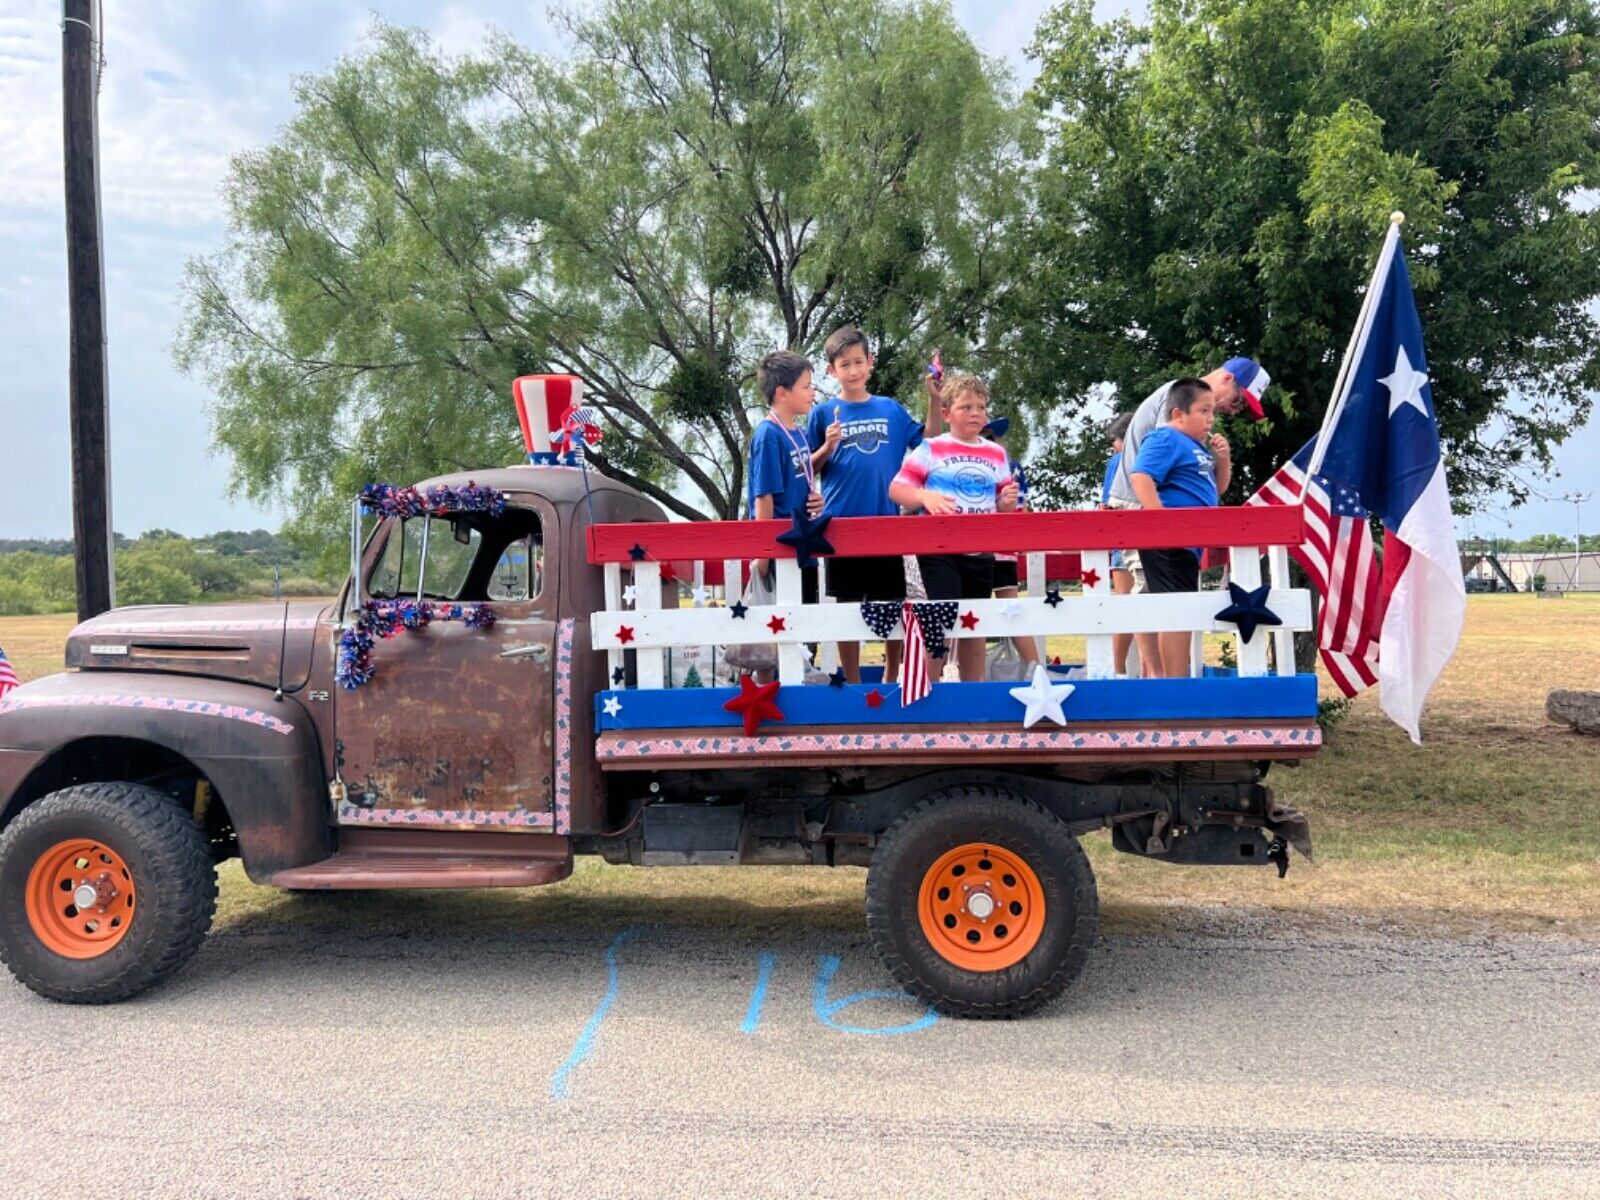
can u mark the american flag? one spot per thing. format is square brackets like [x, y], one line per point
[1338, 554]
[8, 677]
[914, 681]
[581, 424]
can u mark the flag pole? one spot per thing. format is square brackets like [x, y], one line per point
[1353, 351]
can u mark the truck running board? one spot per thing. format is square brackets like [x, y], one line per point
[373, 859]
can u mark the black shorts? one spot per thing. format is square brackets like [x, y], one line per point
[1170, 570]
[957, 576]
[1005, 573]
[855, 579]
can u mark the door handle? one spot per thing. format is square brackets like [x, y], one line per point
[538, 651]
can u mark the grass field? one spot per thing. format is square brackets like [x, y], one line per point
[1490, 823]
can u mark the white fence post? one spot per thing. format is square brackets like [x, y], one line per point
[1282, 636]
[1245, 570]
[1038, 584]
[652, 663]
[791, 655]
[613, 605]
[1100, 659]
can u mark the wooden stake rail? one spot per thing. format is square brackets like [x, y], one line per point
[859, 537]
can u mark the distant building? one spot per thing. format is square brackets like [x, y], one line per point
[1556, 569]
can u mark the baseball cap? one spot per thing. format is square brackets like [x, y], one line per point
[996, 428]
[1252, 380]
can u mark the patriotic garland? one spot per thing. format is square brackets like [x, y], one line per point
[385, 619]
[387, 500]
[937, 618]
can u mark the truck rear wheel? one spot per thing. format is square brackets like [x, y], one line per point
[981, 903]
[105, 889]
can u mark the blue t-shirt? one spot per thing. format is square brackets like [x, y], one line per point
[777, 469]
[1184, 471]
[1111, 474]
[874, 439]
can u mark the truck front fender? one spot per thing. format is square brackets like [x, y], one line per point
[258, 752]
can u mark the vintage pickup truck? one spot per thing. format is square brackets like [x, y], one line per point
[490, 696]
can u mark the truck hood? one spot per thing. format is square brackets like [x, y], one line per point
[253, 643]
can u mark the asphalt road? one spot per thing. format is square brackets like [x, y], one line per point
[1231, 1057]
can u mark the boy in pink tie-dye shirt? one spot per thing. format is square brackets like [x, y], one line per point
[959, 472]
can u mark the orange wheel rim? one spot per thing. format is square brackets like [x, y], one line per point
[80, 898]
[981, 907]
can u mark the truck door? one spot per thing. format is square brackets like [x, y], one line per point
[452, 729]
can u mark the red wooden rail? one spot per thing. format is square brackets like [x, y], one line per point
[980, 533]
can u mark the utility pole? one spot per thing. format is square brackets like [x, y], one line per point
[86, 305]
[1576, 499]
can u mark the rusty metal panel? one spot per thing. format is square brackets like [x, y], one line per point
[449, 726]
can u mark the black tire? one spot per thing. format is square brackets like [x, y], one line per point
[173, 874]
[998, 817]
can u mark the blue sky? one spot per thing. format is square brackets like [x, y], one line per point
[189, 83]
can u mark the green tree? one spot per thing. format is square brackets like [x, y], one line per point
[1218, 179]
[700, 182]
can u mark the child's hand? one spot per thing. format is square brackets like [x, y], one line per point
[814, 504]
[830, 440]
[1009, 497]
[937, 504]
[1220, 447]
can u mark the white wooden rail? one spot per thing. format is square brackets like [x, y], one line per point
[649, 630]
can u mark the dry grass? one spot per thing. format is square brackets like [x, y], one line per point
[1490, 823]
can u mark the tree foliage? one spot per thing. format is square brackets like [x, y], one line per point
[1218, 179]
[700, 182]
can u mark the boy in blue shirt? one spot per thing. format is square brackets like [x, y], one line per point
[861, 440]
[1181, 464]
[781, 479]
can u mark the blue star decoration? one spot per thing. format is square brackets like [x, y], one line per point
[837, 678]
[618, 675]
[805, 536]
[637, 553]
[1052, 597]
[737, 610]
[1249, 609]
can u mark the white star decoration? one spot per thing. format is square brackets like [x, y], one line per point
[1012, 609]
[612, 706]
[1405, 385]
[701, 595]
[1042, 699]
[630, 594]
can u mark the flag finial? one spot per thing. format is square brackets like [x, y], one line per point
[1397, 217]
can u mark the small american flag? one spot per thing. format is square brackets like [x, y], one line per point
[1338, 555]
[8, 677]
[914, 681]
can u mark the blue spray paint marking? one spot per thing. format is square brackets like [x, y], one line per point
[585, 1042]
[752, 1015]
[825, 1009]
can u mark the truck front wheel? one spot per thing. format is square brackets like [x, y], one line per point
[105, 889]
[981, 903]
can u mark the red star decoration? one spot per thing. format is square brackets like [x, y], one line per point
[755, 703]
[874, 698]
[969, 620]
[776, 624]
[1091, 578]
[625, 634]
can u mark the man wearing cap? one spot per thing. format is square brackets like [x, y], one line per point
[1238, 386]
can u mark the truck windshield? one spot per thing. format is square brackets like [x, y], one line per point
[471, 556]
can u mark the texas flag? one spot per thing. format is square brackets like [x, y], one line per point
[1382, 444]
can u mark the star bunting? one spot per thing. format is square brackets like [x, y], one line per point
[755, 703]
[1249, 609]
[805, 536]
[1041, 699]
